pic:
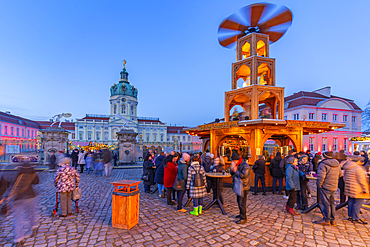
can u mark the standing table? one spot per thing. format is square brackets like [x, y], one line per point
[216, 200]
[318, 200]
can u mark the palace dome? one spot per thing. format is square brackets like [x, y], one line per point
[123, 87]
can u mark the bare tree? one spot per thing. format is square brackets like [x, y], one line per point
[365, 118]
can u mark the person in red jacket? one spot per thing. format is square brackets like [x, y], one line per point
[170, 173]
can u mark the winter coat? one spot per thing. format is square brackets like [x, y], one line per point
[182, 172]
[305, 168]
[259, 167]
[328, 174]
[81, 159]
[316, 162]
[275, 167]
[355, 181]
[66, 178]
[293, 177]
[170, 173]
[284, 163]
[89, 161]
[159, 174]
[366, 158]
[53, 159]
[218, 167]
[149, 170]
[196, 192]
[74, 156]
[24, 189]
[207, 163]
[106, 156]
[243, 171]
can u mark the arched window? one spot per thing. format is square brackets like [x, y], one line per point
[261, 48]
[132, 110]
[114, 109]
[123, 109]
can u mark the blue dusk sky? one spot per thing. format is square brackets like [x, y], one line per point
[63, 56]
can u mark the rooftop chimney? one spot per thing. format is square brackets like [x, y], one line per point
[326, 91]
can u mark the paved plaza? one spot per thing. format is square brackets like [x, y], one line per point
[161, 225]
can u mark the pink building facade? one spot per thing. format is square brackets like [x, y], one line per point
[320, 105]
[18, 134]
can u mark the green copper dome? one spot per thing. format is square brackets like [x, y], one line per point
[123, 87]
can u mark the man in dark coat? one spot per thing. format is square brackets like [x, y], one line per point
[276, 173]
[328, 174]
[24, 197]
[207, 163]
[148, 169]
[74, 157]
[259, 171]
[240, 169]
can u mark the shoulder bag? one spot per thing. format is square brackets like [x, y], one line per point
[178, 184]
[77, 194]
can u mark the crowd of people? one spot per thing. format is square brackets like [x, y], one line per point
[178, 174]
[99, 162]
[331, 171]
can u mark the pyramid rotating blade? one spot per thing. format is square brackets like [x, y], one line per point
[232, 25]
[284, 17]
[253, 13]
[274, 36]
[227, 42]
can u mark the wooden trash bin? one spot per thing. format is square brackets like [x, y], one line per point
[125, 204]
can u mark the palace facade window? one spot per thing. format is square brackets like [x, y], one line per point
[98, 136]
[162, 137]
[89, 135]
[311, 116]
[324, 117]
[123, 109]
[324, 143]
[335, 144]
[311, 142]
[335, 117]
[81, 135]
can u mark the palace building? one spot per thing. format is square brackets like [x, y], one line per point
[152, 133]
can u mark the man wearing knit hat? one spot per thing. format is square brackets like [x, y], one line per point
[240, 169]
[328, 174]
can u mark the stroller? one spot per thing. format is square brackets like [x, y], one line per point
[54, 213]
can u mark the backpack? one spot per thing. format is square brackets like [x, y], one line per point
[197, 179]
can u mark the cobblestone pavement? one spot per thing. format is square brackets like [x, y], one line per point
[162, 225]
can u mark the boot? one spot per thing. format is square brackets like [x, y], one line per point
[291, 211]
[287, 208]
[162, 193]
[200, 210]
[195, 211]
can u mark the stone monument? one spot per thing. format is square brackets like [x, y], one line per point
[54, 139]
[127, 144]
